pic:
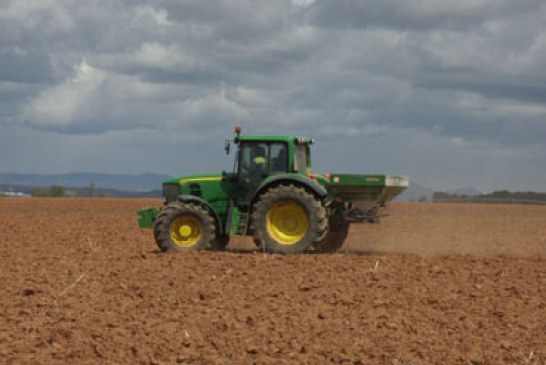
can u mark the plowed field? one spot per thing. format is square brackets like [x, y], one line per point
[430, 284]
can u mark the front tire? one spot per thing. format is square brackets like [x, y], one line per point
[184, 227]
[288, 219]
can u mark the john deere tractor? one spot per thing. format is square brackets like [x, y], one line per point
[272, 195]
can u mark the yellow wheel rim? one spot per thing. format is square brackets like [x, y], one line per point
[185, 231]
[286, 222]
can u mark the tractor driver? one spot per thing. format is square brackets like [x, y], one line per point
[259, 159]
[254, 161]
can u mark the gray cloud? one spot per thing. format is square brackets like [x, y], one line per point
[420, 15]
[466, 78]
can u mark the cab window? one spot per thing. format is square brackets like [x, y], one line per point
[301, 158]
[254, 158]
[259, 157]
[279, 157]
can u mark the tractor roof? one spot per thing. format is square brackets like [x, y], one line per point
[287, 139]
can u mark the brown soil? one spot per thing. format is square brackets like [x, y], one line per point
[430, 284]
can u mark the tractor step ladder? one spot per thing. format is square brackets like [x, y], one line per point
[243, 223]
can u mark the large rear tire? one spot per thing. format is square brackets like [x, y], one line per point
[288, 219]
[184, 227]
[337, 233]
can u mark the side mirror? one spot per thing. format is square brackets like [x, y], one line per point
[227, 147]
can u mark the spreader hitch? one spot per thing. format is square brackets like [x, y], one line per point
[357, 215]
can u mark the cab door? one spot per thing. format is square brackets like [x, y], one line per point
[257, 161]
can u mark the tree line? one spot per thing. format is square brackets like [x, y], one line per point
[57, 191]
[501, 196]
[53, 191]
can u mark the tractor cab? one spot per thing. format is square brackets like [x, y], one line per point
[262, 157]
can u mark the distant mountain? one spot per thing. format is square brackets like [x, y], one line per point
[122, 182]
[15, 189]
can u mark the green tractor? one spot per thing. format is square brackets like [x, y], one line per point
[272, 195]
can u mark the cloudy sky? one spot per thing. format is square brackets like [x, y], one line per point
[450, 93]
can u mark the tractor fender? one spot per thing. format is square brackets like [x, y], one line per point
[206, 204]
[312, 185]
